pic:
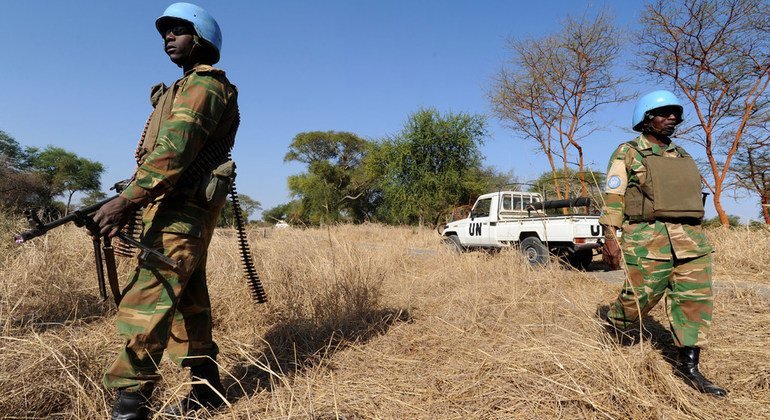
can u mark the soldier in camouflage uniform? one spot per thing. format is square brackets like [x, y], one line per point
[164, 308]
[653, 194]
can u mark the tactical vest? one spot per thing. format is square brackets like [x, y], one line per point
[671, 190]
[162, 99]
[212, 168]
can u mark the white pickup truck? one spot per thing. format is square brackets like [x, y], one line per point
[512, 218]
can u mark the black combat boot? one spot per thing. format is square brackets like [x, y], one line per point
[132, 405]
[687, 369]
[201, 396]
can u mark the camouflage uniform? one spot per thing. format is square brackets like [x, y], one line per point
[659, 255]
[163, 308]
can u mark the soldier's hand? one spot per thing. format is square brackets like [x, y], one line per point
[611, 254]
[113, 215]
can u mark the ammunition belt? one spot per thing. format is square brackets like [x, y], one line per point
[212, 154]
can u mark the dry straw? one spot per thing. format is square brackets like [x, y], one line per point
[382, 322]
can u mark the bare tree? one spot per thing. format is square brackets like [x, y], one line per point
[751, 166]
[717, 53]
[553, 84]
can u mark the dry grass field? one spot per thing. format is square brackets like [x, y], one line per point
[381, 322]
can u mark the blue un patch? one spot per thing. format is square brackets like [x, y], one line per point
[613, 182]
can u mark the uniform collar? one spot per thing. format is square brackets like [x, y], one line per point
[198, 68]
[657, 149]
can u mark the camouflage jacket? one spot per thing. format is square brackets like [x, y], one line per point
[653, 240]
[199, 108]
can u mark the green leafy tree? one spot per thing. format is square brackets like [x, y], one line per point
[11, 152]
[433, 164]
[65, 173]
[335, 187]
[277, 213]
[248, 206]
[489, 179]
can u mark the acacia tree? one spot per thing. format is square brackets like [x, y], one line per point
[335, 187]
[65, 173]
[554, 84]
[717, 54]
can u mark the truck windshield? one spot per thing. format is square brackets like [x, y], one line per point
[481, 209]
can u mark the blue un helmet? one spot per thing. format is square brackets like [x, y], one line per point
[205, 26]
[654, 100]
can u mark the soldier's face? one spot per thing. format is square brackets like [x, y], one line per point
[178, 42]
[664, 121]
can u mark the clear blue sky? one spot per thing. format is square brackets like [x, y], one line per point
[77, 73]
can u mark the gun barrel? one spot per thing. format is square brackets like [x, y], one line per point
[39, 228]
[559, 204]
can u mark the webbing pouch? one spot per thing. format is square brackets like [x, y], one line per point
[216, 185]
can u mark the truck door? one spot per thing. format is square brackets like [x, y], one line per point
[478, 231]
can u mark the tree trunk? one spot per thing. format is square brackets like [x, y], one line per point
[717, 189]
[582, 176]
[565, 211]
[553, 177]
[556, 186]
[69, 200]
[766, 209]
[720, 210]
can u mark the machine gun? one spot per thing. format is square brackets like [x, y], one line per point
[104, 253]
[559, 204]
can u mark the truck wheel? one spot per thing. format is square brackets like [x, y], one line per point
[581, 259]
[534, 251]
[454, 242]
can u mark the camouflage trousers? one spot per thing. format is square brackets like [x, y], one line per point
[689, 297]
[164, 309]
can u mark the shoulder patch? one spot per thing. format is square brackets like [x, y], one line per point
[617, 179]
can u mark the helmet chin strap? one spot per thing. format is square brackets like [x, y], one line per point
[196, 45]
